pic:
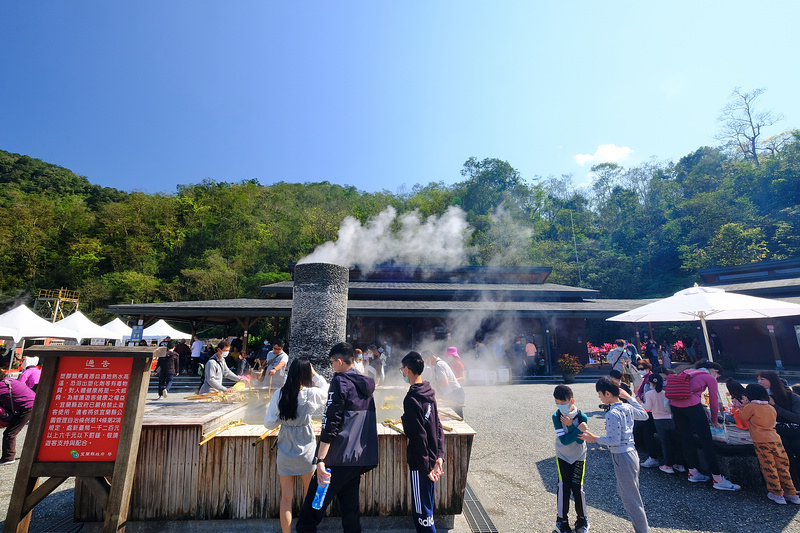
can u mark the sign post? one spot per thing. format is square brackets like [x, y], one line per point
[86, 423]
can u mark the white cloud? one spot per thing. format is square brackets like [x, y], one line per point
[605, 153]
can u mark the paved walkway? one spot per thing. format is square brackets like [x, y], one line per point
[512, 472]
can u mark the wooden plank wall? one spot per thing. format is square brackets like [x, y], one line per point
[229, 478]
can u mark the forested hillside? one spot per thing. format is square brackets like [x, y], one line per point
[636, 232]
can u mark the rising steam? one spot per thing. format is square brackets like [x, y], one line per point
[405, 239]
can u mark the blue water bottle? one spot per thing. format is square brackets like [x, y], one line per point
[319, 497]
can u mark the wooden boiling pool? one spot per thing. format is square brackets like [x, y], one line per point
[228, 477]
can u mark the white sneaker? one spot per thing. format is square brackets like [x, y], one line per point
[699, 478]
[650, 463]
[164, 394]
[679, 468]
[727, 485]
[794, 498]
[666, 469]
[780, 500]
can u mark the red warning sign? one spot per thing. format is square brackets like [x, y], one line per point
[85, 413]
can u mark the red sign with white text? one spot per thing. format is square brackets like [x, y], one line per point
[85, 413]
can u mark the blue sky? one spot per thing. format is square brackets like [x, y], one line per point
[381, 95]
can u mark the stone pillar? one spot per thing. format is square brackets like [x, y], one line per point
[319, 313]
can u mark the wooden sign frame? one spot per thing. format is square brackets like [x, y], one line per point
[110, 481]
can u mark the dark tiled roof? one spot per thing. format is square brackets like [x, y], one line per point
[362, 288]
[223, 310]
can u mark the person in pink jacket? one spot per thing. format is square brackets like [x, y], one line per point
[690, 417]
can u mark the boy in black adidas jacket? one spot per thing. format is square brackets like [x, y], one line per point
[425, 452]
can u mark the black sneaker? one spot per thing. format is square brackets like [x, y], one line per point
[581, 525]
[563, 526]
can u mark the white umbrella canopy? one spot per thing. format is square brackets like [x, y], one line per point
[162, 329]
[25, 323]
[708, 303]
[87, 329]
[119, 327]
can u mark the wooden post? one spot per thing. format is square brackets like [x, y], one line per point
[36, 462]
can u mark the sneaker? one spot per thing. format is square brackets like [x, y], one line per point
[650, 463]
[581, 525]
[11, 462]
[727, 485]
[679, 468]
[794, 498]
[666, 469]
[164, 394]
[780, 500]
[699, 478]
[563, 526]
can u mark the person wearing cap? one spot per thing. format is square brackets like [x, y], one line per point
[445, 383]
[454, 360]
[31, 373]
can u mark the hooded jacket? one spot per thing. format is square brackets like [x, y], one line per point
[350, 425]
[422, 427]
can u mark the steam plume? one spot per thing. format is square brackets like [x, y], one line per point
[405, 239]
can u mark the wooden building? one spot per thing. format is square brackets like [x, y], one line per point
[477, 309]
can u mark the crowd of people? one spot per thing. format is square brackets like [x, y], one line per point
[669, 417]
[348, 443]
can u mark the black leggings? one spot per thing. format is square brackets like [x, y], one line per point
[690, 420]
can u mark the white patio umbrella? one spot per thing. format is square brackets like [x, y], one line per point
[87, 329]
[708, 303]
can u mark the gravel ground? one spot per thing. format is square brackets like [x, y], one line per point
[512, 471]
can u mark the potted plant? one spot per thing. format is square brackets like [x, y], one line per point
[569, 366]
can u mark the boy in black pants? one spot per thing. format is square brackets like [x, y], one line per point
[569, 422]
[348, 443]
[425, 451]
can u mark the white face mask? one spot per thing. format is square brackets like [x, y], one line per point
[564, 408]
[225, 353]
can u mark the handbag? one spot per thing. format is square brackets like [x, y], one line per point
[787, 429]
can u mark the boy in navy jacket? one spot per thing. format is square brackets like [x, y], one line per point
[348, 443]
[425, 451]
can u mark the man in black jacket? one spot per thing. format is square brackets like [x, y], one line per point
[167, 368]
[348, 443]
[425, 453]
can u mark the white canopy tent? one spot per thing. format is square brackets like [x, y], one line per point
[22, 323]
[87, 329]
[708, 303]
[119, 327]
[161, 329]
[158, 332]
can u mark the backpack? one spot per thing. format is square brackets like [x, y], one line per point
[676, 386]
[7, 416]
